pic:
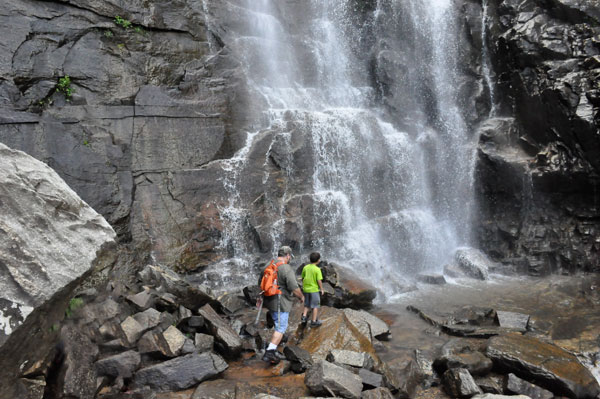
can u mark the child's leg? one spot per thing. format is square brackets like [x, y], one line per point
[315, 314]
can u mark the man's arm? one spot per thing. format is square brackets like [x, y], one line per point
[298, 293]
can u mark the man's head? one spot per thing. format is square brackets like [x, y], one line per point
[314, 257]
[285, 252]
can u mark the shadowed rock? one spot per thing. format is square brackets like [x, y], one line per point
[460, 383]
[181, 373]
[518, 386]
[121, 365]
[225, 337]
[546, 364]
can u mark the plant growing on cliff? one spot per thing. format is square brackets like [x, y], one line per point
[74, 304]
[122, 22]
[64, 87]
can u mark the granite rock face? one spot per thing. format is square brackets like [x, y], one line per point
[538, 169]
[51, 242]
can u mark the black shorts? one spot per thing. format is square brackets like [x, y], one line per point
[312, 300]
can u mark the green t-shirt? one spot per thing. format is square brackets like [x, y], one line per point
[310, 274]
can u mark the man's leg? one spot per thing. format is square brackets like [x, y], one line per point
[281, 323]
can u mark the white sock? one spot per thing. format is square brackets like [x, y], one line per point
[271, 346]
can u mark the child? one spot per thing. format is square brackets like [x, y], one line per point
[312, 285]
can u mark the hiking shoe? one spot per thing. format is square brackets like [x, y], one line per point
[304, 319]
[316, 323]
[271, 357]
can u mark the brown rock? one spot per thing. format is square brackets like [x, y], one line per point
[550, 366]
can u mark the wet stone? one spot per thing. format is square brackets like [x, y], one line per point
[300, 358]
[460, 383]
[517, 321]
[435, 279]
[518, 386]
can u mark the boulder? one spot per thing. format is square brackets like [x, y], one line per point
[154, 343]
[364, 320]
[435, 279]
[370, 379]
[148, 319]
[50, 242]
[328, 379]
[351, 358]
[513, 320]
[300, 358]
[473, 262]
[227, 339]
[231, 302]
[521, 387]
[132, 330]
[491, 384]
[457, 353]
[121, 365]
[337, 332]
[350, 291]
[174, 339]
[377, 393]
[188, 295]
[460, 383]
[548, 365]
[180, 373]
[204, 342]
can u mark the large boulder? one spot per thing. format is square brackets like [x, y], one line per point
[181, 373]
[50, 242]
[546, 364]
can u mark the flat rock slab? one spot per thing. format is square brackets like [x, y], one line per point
[517, 321]
[121, 365]
[548, 365]
[181, 373]
[518, 386]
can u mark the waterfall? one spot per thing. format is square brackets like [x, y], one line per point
[386, 200]
[485, 59]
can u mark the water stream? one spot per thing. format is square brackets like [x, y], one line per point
[386, 200]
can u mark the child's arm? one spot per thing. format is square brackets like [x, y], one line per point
[320, 286]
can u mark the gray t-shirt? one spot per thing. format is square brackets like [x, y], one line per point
[286, 279]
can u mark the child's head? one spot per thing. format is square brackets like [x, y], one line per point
[314, 257]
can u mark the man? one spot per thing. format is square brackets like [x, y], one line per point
[311, 286]
[281, 305]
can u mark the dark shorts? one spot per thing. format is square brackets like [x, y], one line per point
[312, 300]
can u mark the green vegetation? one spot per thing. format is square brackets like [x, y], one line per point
[108, 33]
[122, 22]
[121, 46]
[53, 328]
[74, 304]
[64, 87]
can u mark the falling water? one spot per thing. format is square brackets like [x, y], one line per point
[386, 201]
[485, 59]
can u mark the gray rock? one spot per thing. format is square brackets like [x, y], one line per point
[143, 299]
[188, 347]
[521, 387]
[167, 302]
[204, 342]
[225, 337]
[490, 384]
[368, 324]
[516, 321]
[230, 303]
[183, 313]
[121, 365]
[50, 242]
[473, 262]
[351, 358]
[148, 319]
[132, 330]
[460, 383]
[300, 358]
[436, 279]
[377, 393]
[174, 339]
[153, 342]
[457, 353]
[115, 345]
[327, 378]
[370, 379]
[181, 373]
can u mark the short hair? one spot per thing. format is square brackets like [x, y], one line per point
[285, 250]
[314, 257]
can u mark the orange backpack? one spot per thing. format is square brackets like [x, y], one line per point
[268, 284]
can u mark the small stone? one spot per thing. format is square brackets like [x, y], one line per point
[517, 321]
[351, 358]
[370, 379]
[377, 393]
[460, 383]
[327, 378]
[175, 340]
[300, 358]
[434, 279]
[132, 330]
[204, 342]
[188, 347]
[521, 387]
[121, 365]
[142, 300]
[148, 319]
[183, 313]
